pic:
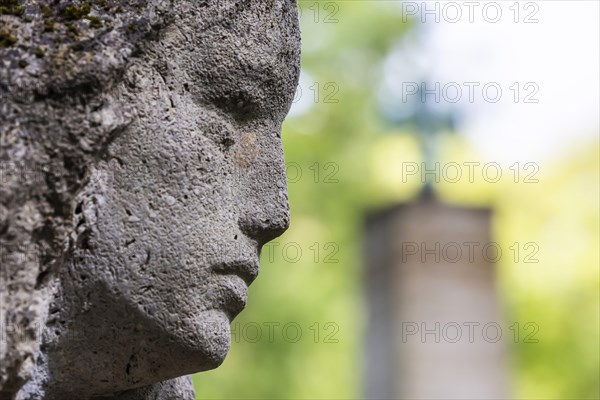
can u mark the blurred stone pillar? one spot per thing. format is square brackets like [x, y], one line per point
[434, 327]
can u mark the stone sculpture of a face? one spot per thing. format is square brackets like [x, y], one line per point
[167, 231]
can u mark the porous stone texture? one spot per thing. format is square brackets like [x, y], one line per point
[178, 388]
[142, 171]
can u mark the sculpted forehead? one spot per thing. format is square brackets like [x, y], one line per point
[242, 59]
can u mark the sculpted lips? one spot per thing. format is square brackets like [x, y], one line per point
[245, 269]
[233, 289]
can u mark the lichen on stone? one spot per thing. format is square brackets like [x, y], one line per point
[11, 7]
[75, 12]
[7, 40]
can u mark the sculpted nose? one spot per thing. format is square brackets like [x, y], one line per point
[265, 212]
[265, 226]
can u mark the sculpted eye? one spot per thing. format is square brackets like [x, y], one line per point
[218, 128]
[239, 104]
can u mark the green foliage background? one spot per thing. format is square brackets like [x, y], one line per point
[350, 161]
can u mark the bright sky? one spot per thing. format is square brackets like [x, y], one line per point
[554, 58]
[559, 55]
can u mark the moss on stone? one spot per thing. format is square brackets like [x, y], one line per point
[95, 22]
[104, 4]
[7, 40]
[49, 25]
[11, 7]
[72, 28]
[46, 11]
[74, 12]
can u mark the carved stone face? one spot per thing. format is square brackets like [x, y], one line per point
[169, 228]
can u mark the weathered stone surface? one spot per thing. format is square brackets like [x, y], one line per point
[141, 173]
[178, 388]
